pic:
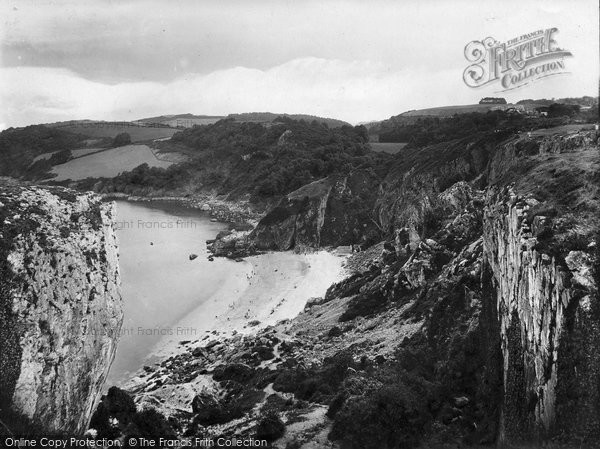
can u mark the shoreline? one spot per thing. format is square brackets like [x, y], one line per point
[236, 213]
[272, 287]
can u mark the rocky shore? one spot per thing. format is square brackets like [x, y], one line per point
[240, 214]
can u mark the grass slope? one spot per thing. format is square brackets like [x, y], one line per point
[107, 163]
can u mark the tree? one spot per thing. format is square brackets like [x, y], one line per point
[121, 140]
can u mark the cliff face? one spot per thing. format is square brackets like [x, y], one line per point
[332, 211]
[411, 191]
[61, 308]
[547, 306]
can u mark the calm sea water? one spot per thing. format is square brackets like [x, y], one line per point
[160, 284]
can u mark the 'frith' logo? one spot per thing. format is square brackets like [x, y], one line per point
[516, 62]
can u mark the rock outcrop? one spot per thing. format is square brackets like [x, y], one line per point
[333, 211]
[546, 302]
[329, 212]
[60, 307]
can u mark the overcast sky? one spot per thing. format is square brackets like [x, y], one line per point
[353, 60]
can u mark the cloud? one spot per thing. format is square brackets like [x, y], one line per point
[68, 59]
[350, 90]
[356, 90]
[134, 40]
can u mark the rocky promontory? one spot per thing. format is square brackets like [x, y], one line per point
[333, 211]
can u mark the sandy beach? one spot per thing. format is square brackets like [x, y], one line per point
[270, 287]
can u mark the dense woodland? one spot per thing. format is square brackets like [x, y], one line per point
[265, 161]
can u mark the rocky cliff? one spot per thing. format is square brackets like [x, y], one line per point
[329, 212]
[474, 322]
[333, 211]
[547, 302]
[60, 307]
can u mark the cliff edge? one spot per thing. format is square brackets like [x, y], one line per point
[60, 307]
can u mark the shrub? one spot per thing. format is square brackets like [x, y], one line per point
[121, 139]
[237, 372]
[270, 427]
[316, 383]
[115, 404]
[392, 417]
[264, 352]
[150, 423]
[60, 157]
[335, 331]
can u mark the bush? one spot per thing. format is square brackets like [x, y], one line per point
[237, 372]
[60, 157]
[335, 331]
[210, 411]
[152, 424]
[392, 417]
[270, 428]
[317, 383]
[115, 404]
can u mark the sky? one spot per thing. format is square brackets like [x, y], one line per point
[353, 60]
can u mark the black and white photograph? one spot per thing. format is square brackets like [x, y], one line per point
[319, 224]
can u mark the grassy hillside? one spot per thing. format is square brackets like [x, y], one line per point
[448, 111]
[107, 163]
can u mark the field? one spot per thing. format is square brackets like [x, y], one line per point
[108, 163]
[387, 147]
[107, 129]
[185, 120]
[448, 111]
[189, 122]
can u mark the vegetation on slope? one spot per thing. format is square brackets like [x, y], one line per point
[271, 117]
[425, 130]
[20, 146]
[263, 161]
